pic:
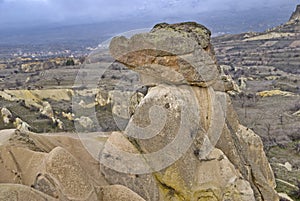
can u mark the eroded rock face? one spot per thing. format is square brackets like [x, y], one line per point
[261, 172]
[16, 192]
[36, 167]
[145, 184]
[231, 172]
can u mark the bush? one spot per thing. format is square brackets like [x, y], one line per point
[70, 62]
[297, 147]
[296, 193]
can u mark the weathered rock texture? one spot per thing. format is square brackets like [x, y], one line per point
[53, 167]
[183, 140]
[169, 53]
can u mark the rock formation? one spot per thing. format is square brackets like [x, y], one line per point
[6, 115]
[52, 167]
[183, 140]
[296, 15]
[177, 63]
[291, 26]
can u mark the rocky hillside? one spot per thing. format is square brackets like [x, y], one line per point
[182, 140]
[266, 68]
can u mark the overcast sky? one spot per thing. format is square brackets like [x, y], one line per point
[16, 12]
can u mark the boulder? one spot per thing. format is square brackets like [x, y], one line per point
[46, 110]
[85, 122]
[63, 173]
[22, 125]
[169, 56]
[6, 115]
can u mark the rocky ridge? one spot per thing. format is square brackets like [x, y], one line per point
[295, 16]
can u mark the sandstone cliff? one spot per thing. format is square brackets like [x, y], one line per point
[183, 140]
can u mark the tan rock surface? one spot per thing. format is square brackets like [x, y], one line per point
[39, 161]
[68, 176]
[144, 184]
[16, 192]
[167, 56]
[120, 193]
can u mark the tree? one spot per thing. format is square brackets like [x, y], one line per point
[70, 62]
[296, 193]
[58, 79]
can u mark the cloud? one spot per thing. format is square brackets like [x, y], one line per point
[42, 11]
